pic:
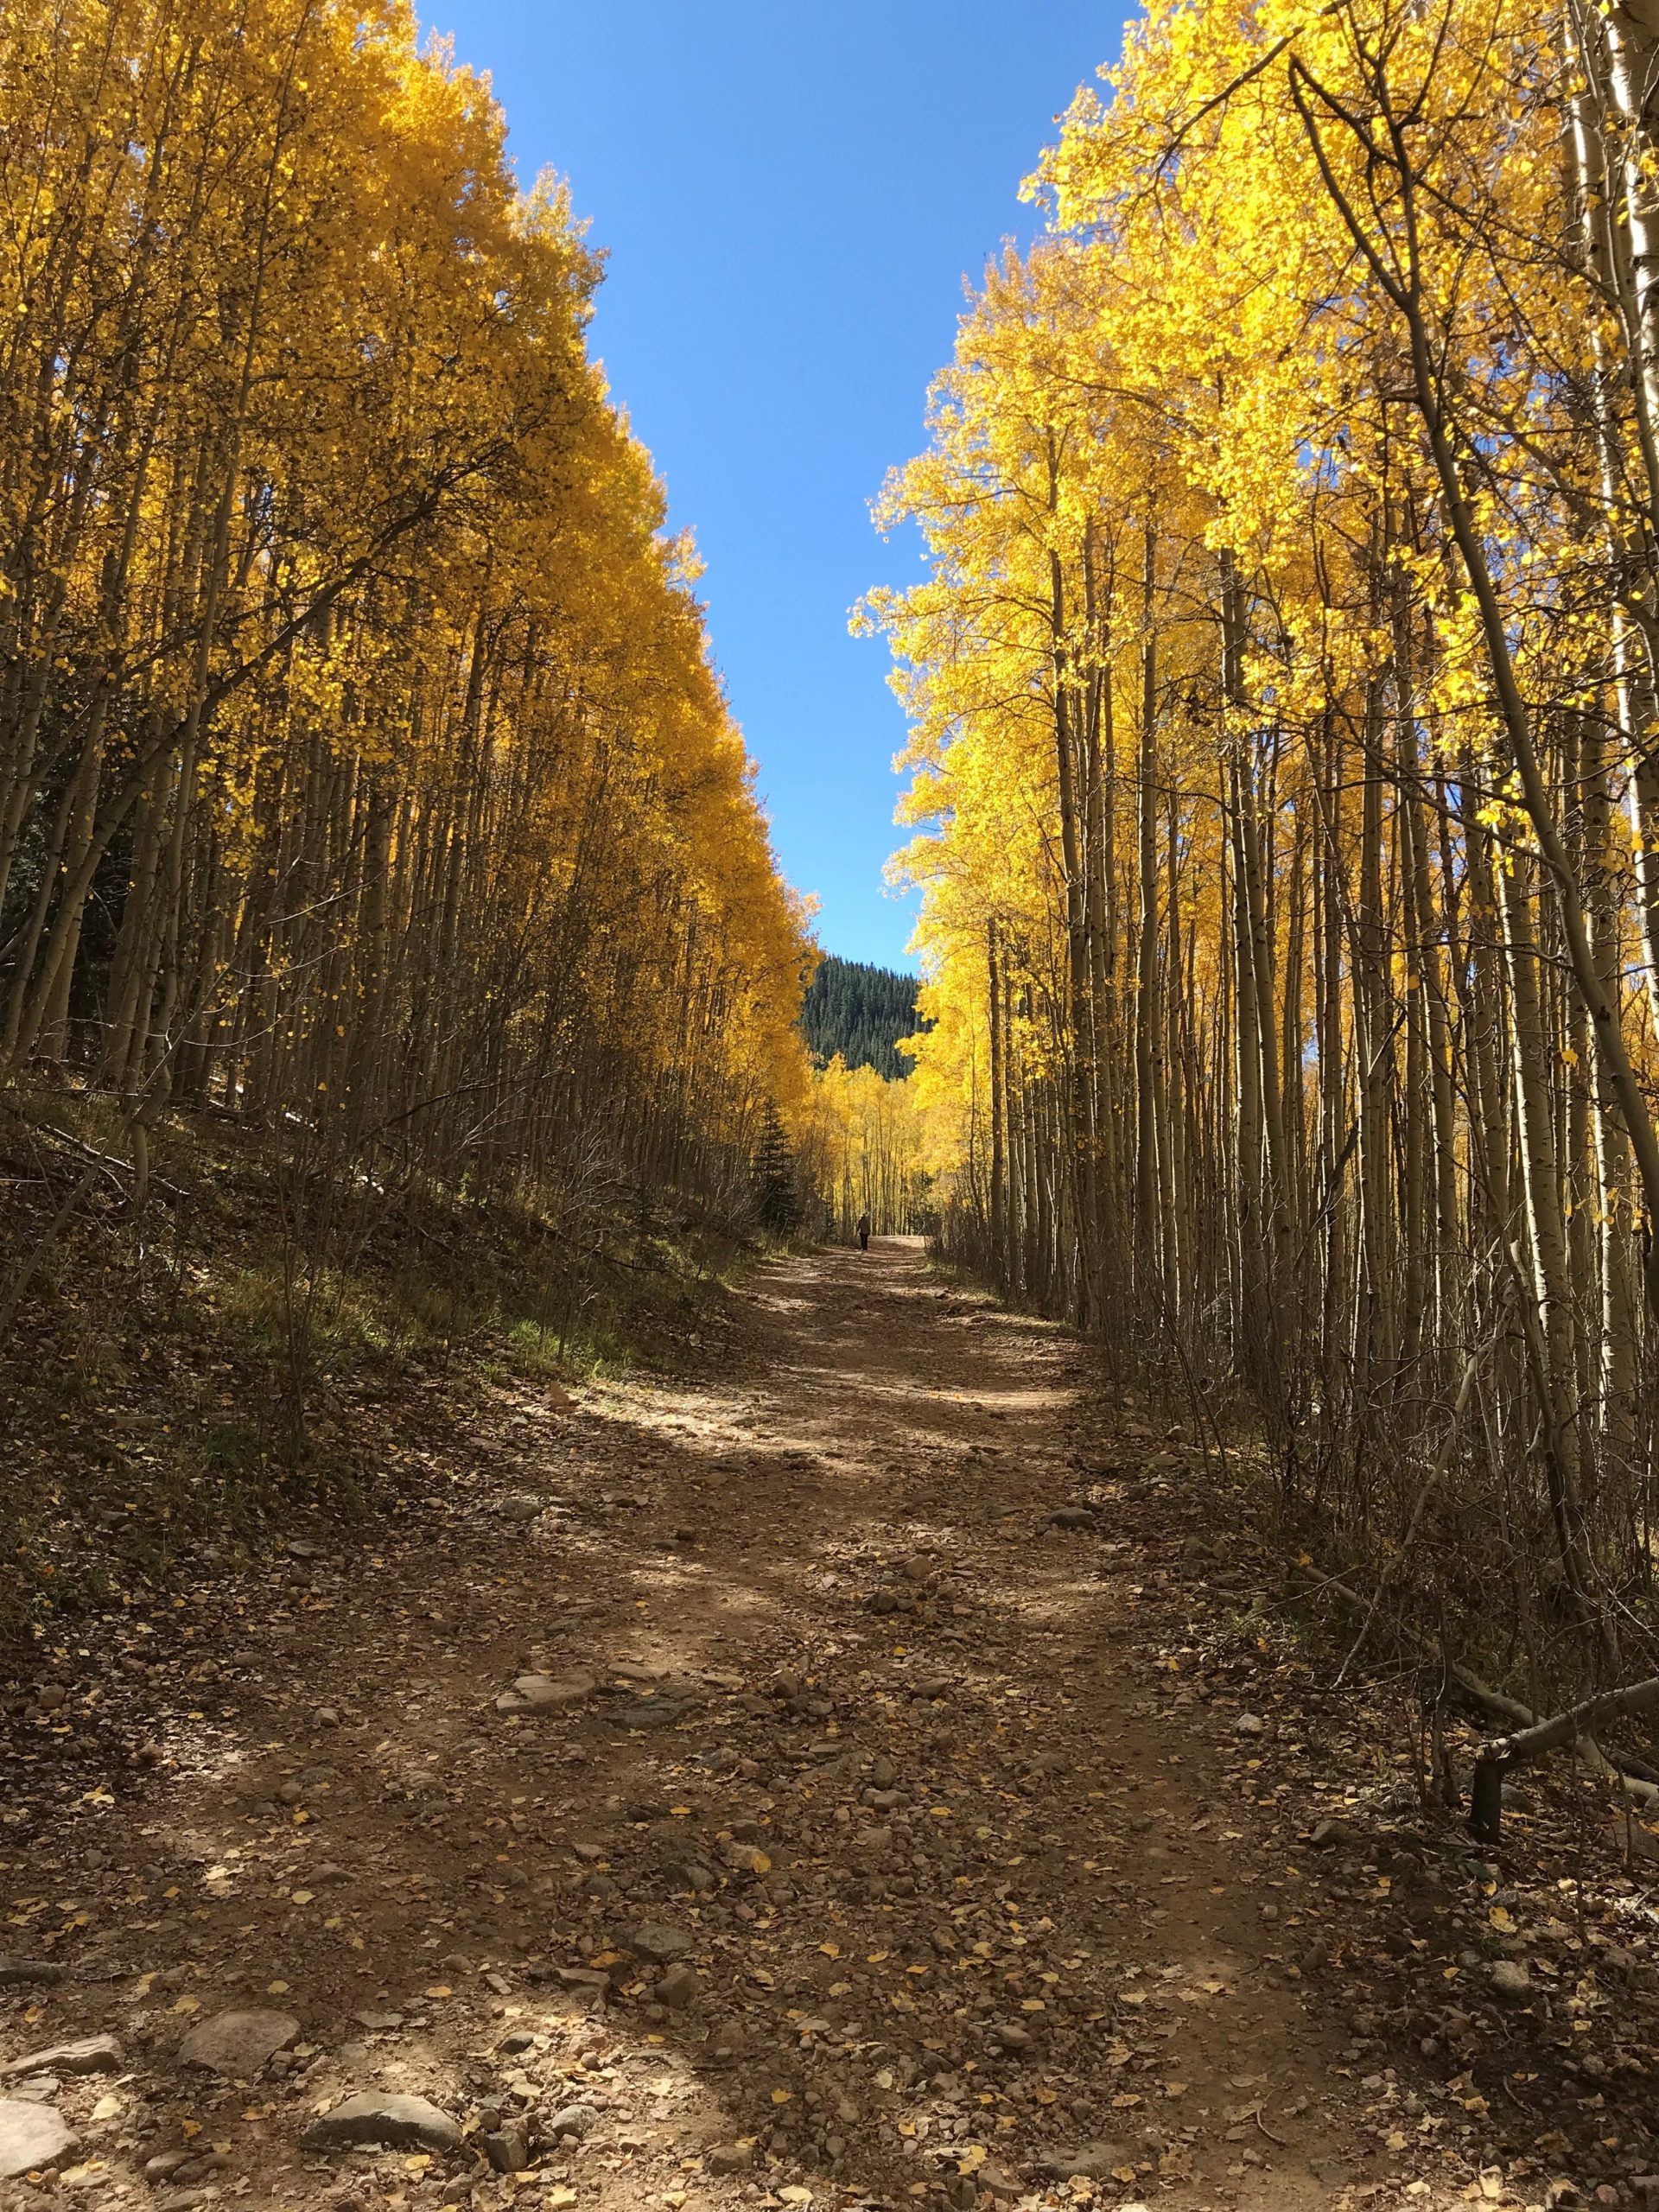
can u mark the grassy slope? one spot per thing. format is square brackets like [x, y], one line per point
[182, 1380]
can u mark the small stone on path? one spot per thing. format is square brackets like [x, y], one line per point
[678, 1986]
[579, 2121]
[507, 2148]
[1510, 1978]
[656, 1941]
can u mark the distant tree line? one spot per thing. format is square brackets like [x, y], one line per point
[859, 1011]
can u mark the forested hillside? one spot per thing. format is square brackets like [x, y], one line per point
[859, 1011]
[1282, 700]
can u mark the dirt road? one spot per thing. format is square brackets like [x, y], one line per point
[848, 1842]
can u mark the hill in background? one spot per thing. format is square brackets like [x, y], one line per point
[860, 1012]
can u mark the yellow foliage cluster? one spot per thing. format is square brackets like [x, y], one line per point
[1282, 698]
[863, 1145]
[359, 749]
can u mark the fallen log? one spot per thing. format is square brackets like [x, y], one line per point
[1496, 1703]
[1577, 1725]
[1486, 1794]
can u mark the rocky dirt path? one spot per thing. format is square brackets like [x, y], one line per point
[772, 1788]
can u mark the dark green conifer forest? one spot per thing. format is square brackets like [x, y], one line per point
[859, 1011]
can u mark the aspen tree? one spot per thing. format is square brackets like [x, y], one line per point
[1363, 368]
[363, 772]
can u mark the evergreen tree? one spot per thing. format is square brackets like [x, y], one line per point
[776, 1191]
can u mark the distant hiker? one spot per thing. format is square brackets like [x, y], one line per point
[862, 1232]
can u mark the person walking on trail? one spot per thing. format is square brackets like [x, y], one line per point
[862, 1232]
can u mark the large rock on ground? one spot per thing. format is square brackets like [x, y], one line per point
[237, 2045]
[399, 2122]
[90, 2055]
[32, 2136]
[546, 1694]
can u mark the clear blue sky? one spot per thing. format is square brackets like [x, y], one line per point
[790, 197]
